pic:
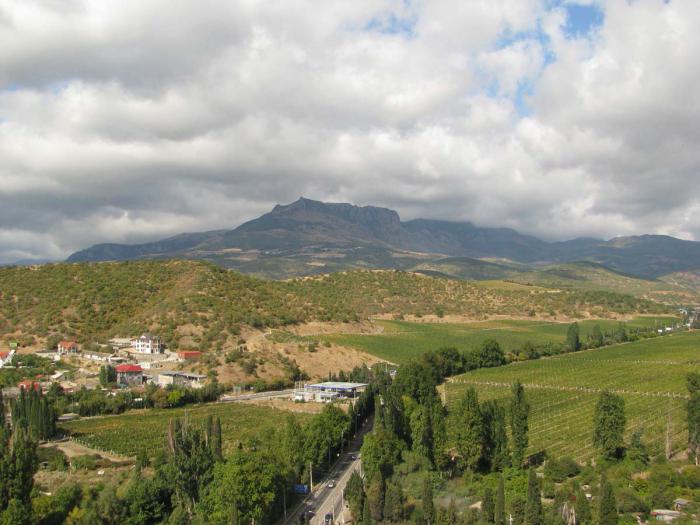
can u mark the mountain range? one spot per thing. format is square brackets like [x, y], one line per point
[310, 237]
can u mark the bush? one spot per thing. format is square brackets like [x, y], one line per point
[559, 469]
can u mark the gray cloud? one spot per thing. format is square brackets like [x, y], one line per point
[129, 121]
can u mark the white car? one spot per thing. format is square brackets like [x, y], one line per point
[331, 484]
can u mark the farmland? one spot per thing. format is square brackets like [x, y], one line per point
[145, 431]
[562, 391]
[401, 341]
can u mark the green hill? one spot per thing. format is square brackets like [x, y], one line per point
[94, 301]
[591, 276]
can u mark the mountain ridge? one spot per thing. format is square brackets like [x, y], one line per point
[308, 237]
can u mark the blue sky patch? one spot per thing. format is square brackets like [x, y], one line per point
[582, 19]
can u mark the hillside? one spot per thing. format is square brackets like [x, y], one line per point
[308, 237]
[207, 305]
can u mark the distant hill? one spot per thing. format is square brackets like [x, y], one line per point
[310, 237]
[205, 305]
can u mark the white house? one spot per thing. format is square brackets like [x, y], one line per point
[6, 358]
[147, 344]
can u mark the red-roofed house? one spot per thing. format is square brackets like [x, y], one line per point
[67, 347]
[6, 358]
[130, 375]
[28, 384]
[189, 355]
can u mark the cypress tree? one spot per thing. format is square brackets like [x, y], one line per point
[533, 507]
[573, 341]
[517, 510]
[597, 337]
[693, 415]
[609, 425]
[496, 453]
[519, 413]
[428, 503]
[366, 514]
[487, 506]
[607, 506]
[582, 508]
[467, 430]
[499, 517]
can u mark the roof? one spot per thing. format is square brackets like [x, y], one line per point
[3, 355]
[337, 385]
[67, 343]
[190, 352]
[128, 368]
[178, 373]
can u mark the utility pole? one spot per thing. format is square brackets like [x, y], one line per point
[311, 475]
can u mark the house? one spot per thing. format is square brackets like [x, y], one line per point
[189, 355]
[6, 358]
[147, 344]
[188, 379]
[67, 347]
[28, 384]
[665, 515]
[119, 343]
[129, 375]
[680, 503]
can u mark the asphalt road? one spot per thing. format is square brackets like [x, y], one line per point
[329, 500]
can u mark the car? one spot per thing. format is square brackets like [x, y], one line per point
[328, 520]
[354, 456]
[331, 484]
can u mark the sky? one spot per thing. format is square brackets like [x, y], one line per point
[135, 120]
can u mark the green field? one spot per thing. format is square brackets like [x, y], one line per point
[562, 390]
[401, 341]
[145, 430]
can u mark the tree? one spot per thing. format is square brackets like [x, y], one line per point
[582, 508]
[693, 415]
[467, 430]
[496, 453]
[422, 432]
[573, 342]
[490, 354]
[517, 510]
[427, 502]
[499, 516]
[108, 375]
[533, 506]
[597, 339]
[191, 460]
[519, 414]
[609, 425]
[394, 501]
[487, 506]
[355, 495]
[249, 482]
[381, 450]
[620, 335]
[607, 506]
[637, 450]
[375, 496]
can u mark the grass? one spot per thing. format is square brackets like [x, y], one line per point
[145, 431]
[402, 341]
[562, 391]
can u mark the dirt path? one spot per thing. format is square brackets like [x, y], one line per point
[72, 449]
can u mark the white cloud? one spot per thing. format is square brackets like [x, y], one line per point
[126, 121]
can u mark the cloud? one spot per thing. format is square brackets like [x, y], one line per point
[129, 121]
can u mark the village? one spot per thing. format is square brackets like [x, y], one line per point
[136, 362]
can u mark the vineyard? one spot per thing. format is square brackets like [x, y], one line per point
[562, 391]
[145, 431]
[401, 341]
